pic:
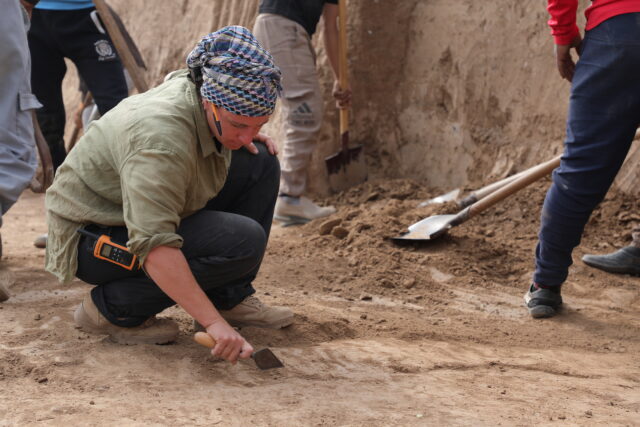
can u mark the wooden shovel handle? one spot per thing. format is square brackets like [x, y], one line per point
[204, 339]
[483, 192]
[343, 78]
[527, 178]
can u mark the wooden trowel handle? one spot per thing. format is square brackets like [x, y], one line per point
[343, 78]
[204, 339]
[527, 178]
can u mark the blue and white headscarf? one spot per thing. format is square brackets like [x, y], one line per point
[237, 73]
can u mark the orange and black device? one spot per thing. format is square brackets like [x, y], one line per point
[104, 248]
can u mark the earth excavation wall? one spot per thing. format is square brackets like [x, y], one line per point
[449, 93]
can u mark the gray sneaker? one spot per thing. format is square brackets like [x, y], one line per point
[152, 331]
[299, 210]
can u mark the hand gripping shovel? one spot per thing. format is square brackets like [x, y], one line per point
[347, 167]
[435, 226]
[265, 359]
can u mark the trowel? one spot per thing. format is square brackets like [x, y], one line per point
[265, 359]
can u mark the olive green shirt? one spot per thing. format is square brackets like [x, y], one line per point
[148, 163]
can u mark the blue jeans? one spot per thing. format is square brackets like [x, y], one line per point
[604, 112]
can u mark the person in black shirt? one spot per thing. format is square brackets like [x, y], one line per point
[284, 28]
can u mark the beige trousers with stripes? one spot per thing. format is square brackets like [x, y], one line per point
[290, 45]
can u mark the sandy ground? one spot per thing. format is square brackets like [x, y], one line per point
[432, 334]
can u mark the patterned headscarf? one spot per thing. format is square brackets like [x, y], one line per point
[237, 73]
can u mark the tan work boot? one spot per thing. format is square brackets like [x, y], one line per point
[4, 293]
[5, 278]
[299, 210]
[152, 331]
[252, 312]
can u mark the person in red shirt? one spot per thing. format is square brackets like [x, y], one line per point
[604, 113]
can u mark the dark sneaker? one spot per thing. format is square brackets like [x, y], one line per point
[623, 261]
[543, 302]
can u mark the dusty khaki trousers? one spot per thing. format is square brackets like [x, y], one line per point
[18, 159]
[290, 45]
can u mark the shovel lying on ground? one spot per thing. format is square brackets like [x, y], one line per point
[435, 226]
[486, 190]
[474, 196]
[265, 359]
[347, 167]
[443, 198]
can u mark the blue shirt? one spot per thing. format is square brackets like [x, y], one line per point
[64, 4]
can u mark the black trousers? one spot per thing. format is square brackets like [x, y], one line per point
[223, 243]
[59, 34]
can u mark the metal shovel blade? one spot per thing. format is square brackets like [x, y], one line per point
[428, 228]
[444, 198]
[346, 168]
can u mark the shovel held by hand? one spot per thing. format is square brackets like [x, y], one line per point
[347, 167]
[265, 359]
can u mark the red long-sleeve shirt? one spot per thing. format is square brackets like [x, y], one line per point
[563, 15]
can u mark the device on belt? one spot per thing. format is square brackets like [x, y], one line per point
[104, 248]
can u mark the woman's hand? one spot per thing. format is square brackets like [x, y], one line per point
[230, 345]
[264, 139]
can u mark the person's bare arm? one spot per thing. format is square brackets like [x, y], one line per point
[331, 43]
[28, 6]
[564, 60]
[168, 268]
